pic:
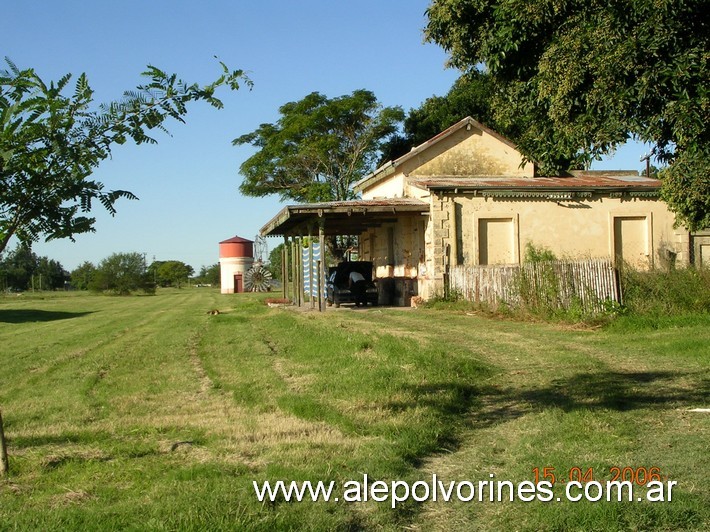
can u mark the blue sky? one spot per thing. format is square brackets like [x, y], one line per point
[187, 184]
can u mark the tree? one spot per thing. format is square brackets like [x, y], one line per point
[82, 275]
[276, 262]
[170, 272]
[51, 273]
[318, 148]
[121, 274]
[686, 186]
[19, 266]
[210, 275]
[51, 142]
[587, 75]
[471, 95]
[22, 269]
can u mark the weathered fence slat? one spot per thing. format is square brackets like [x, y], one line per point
[555, 284]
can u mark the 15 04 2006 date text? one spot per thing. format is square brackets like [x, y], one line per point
[636, 475]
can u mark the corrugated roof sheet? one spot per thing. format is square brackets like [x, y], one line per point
[362, 203]
[340, 217]
[579, 182]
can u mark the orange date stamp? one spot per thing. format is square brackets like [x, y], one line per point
[635, 475]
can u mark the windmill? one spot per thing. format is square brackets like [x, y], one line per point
[261, 249]
[257, 279]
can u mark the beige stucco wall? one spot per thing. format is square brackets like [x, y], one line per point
[398, 255]
[398, 252]
[468, 153]
[392, 187]
[570, 229]
[601, 226]
[471, 152]
[413, 191]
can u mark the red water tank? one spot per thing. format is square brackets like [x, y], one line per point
[236, 247]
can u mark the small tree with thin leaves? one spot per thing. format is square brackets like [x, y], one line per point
[51, 142]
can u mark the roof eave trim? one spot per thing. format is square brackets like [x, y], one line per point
[639, 191]
[283, 215]
[375, 177]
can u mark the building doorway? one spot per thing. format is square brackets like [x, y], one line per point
[631, 241]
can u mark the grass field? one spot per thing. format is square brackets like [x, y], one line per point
[148, 413]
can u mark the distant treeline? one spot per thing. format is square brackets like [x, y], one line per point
[121, 273]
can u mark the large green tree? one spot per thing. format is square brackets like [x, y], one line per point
[276, 262]
[53, 138]
[587, 75]
[51, 274]
[170, 272]
[209, 275]
[18, 266]
[472, 94]
[319, 147]
[82, 275]
[21, 269]
[121, 274]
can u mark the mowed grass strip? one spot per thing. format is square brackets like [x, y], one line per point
[568, 398]
[148, 413]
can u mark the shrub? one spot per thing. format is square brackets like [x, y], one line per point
[662, 293]
[538, 254]
[122, 273]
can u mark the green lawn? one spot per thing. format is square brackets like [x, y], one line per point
[146, 412]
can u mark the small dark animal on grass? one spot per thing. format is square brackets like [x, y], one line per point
[213, 312]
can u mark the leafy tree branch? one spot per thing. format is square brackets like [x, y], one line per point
[584, 76]
[318, 148]
[52, 139]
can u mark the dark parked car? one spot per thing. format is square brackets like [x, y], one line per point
[337, 288]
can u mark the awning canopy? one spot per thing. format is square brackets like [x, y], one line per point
[341, 217]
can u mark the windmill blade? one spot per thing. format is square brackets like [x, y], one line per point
[257, 279]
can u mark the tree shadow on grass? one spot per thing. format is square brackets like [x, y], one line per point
[486, 406]
[65, 438]
[607, 390]
[478, 407]
[462, 405]
[35, 315]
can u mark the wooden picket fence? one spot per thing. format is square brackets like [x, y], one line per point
[560, 284]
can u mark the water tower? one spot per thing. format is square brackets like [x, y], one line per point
[236, 256]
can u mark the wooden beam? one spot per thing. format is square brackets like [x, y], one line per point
[284, 268]
[301, 293]
[321, 265]
[294, 281]
[311, 269]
